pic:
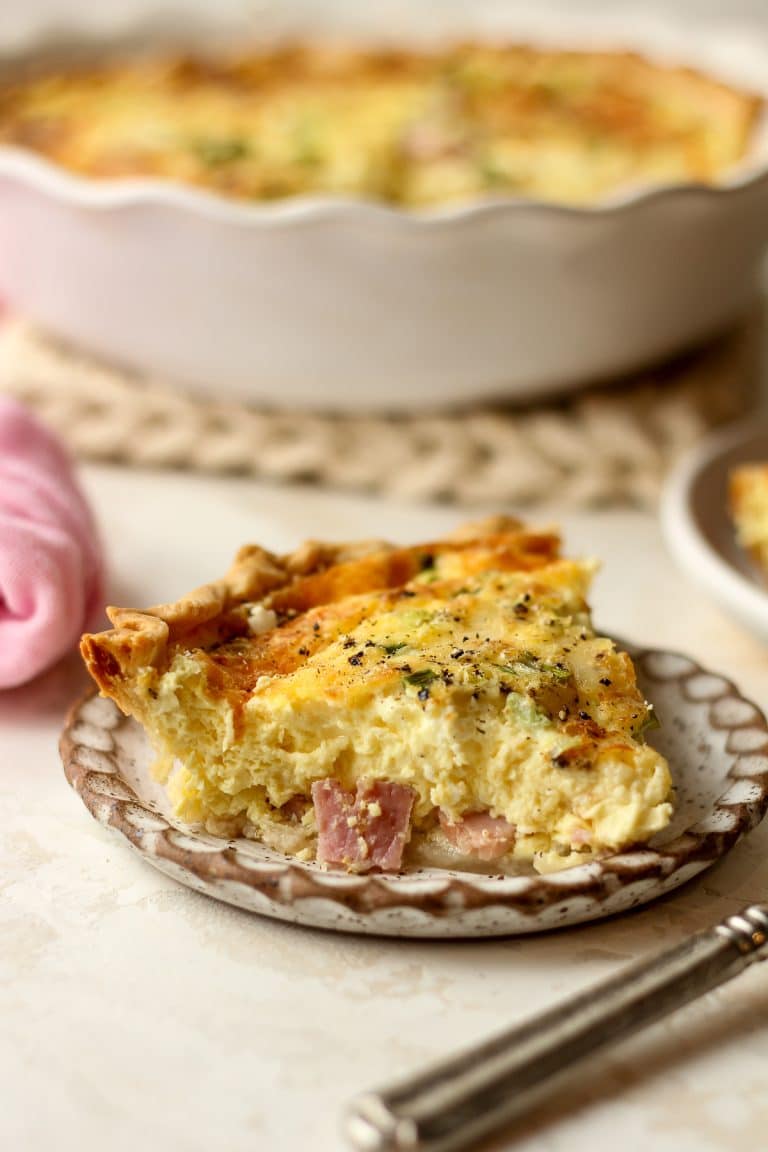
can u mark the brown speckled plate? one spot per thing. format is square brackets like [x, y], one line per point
[716, 743]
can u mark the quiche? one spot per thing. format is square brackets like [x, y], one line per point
[415, 128]
[748, 500]
[362, 704]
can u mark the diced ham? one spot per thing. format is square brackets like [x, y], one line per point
[479, 834]
[365, 829]
[429, 140]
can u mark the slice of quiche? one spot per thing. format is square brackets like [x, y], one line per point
[748, 503]
[353, 703]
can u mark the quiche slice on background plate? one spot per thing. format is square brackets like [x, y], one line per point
[714, 515]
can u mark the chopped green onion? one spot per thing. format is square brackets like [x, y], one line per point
[649, 724]
[529, 664]
[215, 151]
[421, 678]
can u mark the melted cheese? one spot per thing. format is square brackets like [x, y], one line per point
[415, 129]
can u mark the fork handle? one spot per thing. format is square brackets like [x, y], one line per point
[469, 1095]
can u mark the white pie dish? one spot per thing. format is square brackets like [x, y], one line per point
[328, 303]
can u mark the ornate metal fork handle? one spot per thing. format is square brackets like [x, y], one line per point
[454, 1103]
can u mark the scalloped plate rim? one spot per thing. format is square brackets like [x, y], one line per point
[385, 904]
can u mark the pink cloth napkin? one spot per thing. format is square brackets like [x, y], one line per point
[51, 568]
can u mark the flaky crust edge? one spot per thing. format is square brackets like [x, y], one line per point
[140, 638]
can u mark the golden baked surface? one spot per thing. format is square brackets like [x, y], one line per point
[414, 129]
[456, 689]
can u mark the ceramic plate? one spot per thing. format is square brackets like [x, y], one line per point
[698, 529]
[716, 742]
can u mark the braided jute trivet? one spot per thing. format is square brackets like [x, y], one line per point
[603, 446]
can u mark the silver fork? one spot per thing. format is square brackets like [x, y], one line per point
[454, 1103]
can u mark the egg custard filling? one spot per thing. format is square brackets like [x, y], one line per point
[363, 704]
[413, 128]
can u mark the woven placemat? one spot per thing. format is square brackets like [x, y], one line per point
[603, 446]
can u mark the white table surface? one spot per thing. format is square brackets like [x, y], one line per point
[138, 1015]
